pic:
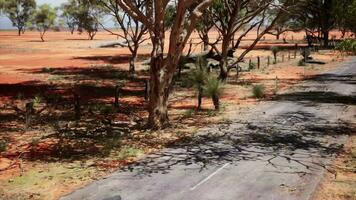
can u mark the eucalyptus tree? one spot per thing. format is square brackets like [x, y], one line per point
[239, 17]
[131, 29]
[164, 58]
[345, 13]
[69, 10]
[19, 12]
[44, 19]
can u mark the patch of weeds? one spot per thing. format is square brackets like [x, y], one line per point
[110, 144]
[129, 152]
[3, 145]
[212, 113]
[252, 65]
[108, 67]
[258, 91]
[301, 62]
[47, 70]
[38, 183]
[188, 113]
[106, 109]
[37, 100]
[54, 78]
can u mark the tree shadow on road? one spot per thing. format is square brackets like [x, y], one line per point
[263, 141]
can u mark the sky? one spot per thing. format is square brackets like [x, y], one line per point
[6, 24]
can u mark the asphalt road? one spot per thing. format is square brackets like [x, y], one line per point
[279, 151]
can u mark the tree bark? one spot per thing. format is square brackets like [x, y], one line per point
[206, 42]
[216, 102]
[132, 62]
[160, 81]
[223, 62]
[326, 38]
[200, 97]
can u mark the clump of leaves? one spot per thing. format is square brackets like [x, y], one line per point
[197, 78]
[188, 113]
[47, 70]
[37, 100]
[258, 91]
[347, 46]
[275, 51]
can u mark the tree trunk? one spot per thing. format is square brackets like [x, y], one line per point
[160, 80]
[200, 97]
[326, 38]
[19, 31]
[223, 69]
[223, 62]
[158, 101]
[216, 102]
[278, 36]
[132, 62]
[206, 42]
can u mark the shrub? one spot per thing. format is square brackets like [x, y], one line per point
[301, 62]
[3, 144]
[197, 78]
[213, 89]
[347, 46]
[258, 91]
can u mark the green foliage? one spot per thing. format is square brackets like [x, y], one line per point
[44, 19]
[301, 63]
[37, 100]
[347, 46]
[258, 91]
[19, 12]
[170, 15]
[3, 145]
[213, 87]
[198, 76]
[69, 10]
[83, 14]
[345, 13]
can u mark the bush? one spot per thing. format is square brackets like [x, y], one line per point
[3, 144]
[258, 91]
[301, 62]
[197, 78]
[347, 46]
[213, 90]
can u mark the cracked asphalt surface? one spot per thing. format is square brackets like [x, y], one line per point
[279, 151]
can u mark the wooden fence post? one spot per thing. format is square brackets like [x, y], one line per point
[117, 96]
[258, 62]
[77, 106]
[268, 61]
[295, 51]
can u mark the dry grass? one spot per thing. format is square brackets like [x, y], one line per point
[343, 186]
